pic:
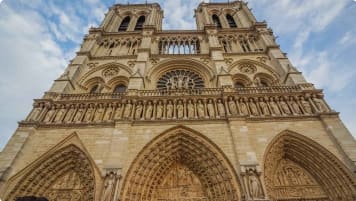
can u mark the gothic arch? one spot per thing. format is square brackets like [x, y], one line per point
[327, 177]
[67, 170]
[261, 67]
[186, 64]
[185, 148]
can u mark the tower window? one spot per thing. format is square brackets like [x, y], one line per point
[120, 88]
[125, 24]
[239, 85]
[231, 21]
[217, 21]
[139, 25]
[95, 89]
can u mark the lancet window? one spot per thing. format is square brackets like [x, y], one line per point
[120, 88]
[139, 24]
[231, 21]
[216, 21]
[180, 79]
[125, 23]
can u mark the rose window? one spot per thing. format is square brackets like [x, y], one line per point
[180, 79]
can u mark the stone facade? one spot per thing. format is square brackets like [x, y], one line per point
[213, 114]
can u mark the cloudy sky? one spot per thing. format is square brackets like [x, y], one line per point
[39, 37]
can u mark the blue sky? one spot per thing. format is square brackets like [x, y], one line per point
[39, 37]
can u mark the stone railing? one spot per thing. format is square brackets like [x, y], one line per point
[205, 104]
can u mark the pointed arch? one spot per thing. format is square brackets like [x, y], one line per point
[69, 165]
[125, 24]
[321, 168]
[231, 21]
[216, 21]
[140, 22]
[189, 149]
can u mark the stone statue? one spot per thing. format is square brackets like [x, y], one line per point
[149, 111]
[284, 107]
[89, 114]
[69, 116]
[190, 109]
[180, 110]
[254, 185]
[127, 110]
[79, 115]
[306, 106]
[258, 82]
[118, 112]
[108, 113]
[99, 113]
[243, 107]
[60, 114]
[295, 106]
[264, 107]
[253, 108]
[159, 112]
[221, 108]
[169, 110]
[232, 106]
[211, 109]
[49, 115]
[109, 187]
[320, 105]
[138, 112]
[274, 107]
[200, 109]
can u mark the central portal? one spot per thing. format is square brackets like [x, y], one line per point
[180, 184]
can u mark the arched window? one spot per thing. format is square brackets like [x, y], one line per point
[239, 85]
[95, 89]
[231, 21]
[120, 88]
[125, 24]
[139, 25]
[217, 21]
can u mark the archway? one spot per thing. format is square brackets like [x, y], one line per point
[297, 168]
[180, 164]
[66, 175]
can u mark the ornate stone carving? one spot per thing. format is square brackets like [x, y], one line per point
[247, 68]
[110, 72]
[169, 110]
[159, 110]
[200, 109]
[211, 109]
[232, 106]
[221, 108]
[180, 109]
[180, 79]
[149, 110]
[138, 112]
[191, 111]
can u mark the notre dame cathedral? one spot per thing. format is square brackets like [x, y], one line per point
[213, 114]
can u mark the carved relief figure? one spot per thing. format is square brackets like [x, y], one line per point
[190, 109]
[59, 115]
[149, 111]
[99, 113]
[211, 110]
[180, 110]
[69, 116]
[49, 115]
[243, 107]
[109, 187]
[253, 108]
[306, 106]
[138, 112]
[254, 185]
[127, 110]
[79, 115]
[221, 108]
[294, 106]
[274, 107]
[169, 110]
[89, 114]
[108, 113]
[118, 111]
[200, 109]
[284, 107]
[232, 106]
[320, 105]
[159, 112]
[264, 107]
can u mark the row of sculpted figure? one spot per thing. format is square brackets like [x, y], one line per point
[180, 109]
